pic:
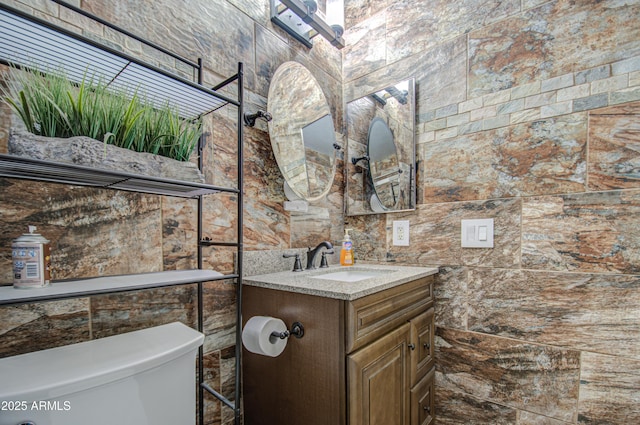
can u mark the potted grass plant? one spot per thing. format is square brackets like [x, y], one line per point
[60, 115]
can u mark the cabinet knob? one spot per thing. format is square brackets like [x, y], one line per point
[427, 409]
[412, 346]
[426, 345]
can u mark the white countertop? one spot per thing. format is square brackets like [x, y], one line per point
[306, 282]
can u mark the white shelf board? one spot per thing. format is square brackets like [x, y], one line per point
[104, 285]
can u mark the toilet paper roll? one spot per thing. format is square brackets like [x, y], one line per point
[256, 336]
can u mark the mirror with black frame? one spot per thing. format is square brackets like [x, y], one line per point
[380, 172]
[302, 133]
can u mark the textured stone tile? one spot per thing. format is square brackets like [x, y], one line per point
[77, 221]
[426, 116]
[451, 297]
[439, 21]
[356, 11]
[469, 105]
[591, 102]
[447, 111]
[482, 113]
[471, 127]
[227, 381]
[369, 237]
[524, 159]
[324, 56]
[521, 375]
[212, 406]
[256, 9]
[440, 124]
[614, 147]
[114, 314]
[425, 137]
[271, 52]
[555, 109]
[220, 150]
[524, 90]
[458, 119]
[458, 408]
[525, 116]
[624, 96]
[541, 43]
[366, 47]
[528, 418]
[610, 84]
[528, 4]
[539, 99]
[626, 66]
[220, 314]
[495, 122]
[541, 307]
[574, 92]
[609, 388]
[179, 234]
[441, 222]
[516, 105]
[32, 327]
[269, 225]
[556, 83]
[446, 133]
[439, 73]
[496, 98]
[311, 227]
[188, 30]
[593, 74]
[587, 232]
[5, 117]
[43, 6]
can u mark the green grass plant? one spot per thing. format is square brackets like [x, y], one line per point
[50, 105]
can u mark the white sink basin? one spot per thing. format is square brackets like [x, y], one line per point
[351, 275]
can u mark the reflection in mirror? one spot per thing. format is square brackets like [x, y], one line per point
[383, 163]
[381, 148]
[301, 131]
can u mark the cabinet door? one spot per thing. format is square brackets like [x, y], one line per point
[378, 383]
[422, 334]
[422, 401]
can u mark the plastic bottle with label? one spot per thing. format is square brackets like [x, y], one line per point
[346, 255]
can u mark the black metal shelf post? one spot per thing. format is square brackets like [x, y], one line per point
[26, 41]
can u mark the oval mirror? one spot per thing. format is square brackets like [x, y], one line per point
[383, 163]
[302, 134]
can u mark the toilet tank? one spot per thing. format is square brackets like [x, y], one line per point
[141, 377]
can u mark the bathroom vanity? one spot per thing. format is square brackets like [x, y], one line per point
[366, 356]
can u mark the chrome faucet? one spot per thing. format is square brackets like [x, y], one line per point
[311, 253]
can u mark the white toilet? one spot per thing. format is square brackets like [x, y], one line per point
[145, 377]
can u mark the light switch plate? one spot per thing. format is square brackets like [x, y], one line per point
[401, 233]
[477, 233]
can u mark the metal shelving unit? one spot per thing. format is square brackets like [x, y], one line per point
[26, 41]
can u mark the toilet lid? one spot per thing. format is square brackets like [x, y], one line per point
[65, 370]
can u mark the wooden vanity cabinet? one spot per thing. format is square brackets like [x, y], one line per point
[362, 362]
[390, 346]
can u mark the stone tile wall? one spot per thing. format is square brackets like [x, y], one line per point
[100, 232]
[528, 114]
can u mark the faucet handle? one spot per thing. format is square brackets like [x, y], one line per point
[323, 261]
[297, 265]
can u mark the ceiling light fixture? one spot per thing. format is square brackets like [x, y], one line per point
[302, 20]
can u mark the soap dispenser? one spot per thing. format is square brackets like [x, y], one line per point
[346, 255]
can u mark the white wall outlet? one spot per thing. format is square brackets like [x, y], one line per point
[477, 233]
[401, 233]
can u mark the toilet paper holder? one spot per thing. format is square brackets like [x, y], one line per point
[297, 330]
